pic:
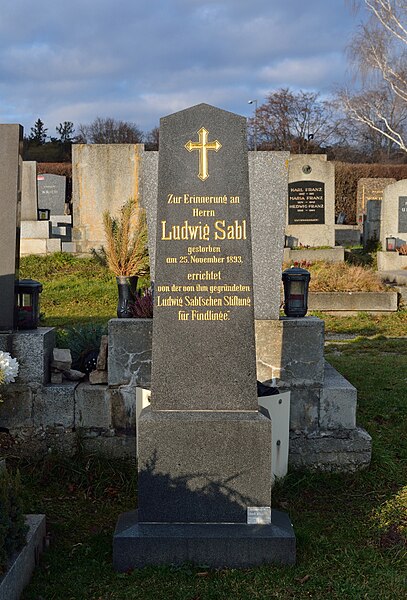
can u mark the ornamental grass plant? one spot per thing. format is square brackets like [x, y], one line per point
[126, 240]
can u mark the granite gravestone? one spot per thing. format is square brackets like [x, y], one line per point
[306, 203]
[29, 205]
[402, 214]
[10, 204]
[369, 188]
[311, 200]
[52, 193]
[394, 213]
[204, 449]
[371, 222]
[268, 176]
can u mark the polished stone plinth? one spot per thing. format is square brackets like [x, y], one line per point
[216, 545]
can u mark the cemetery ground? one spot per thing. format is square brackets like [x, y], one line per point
[351, 529]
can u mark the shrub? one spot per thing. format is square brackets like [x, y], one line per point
[142, 307]
[83, 341]
[13, 530]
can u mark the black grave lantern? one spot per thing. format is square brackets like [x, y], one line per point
[296, 281]
[391, 244]
[28, 303]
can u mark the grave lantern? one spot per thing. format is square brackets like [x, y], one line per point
[296, 281]
[391, 244]
[28, 303]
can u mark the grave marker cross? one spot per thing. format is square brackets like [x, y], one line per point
[203, 146]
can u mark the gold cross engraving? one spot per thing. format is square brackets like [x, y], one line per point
[203, 146]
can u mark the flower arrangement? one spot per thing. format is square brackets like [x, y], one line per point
[8, 368]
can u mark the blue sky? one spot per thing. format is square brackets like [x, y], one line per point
[139, 60]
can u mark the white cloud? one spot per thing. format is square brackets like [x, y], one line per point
[141, 59]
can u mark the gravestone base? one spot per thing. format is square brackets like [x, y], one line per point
[33, 349]
[391, 261]
[216, 545]
[202, 466]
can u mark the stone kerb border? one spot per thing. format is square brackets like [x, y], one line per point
[22, 566]
[345, 302]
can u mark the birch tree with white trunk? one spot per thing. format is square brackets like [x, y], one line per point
[378, 57]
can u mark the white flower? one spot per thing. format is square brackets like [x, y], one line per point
[8, 367]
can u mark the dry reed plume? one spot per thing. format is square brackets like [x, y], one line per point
[126, 240]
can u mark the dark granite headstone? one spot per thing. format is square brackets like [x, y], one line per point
[204, 449]
[203, 315]
[402, 214]
[52, 192]
[306, 203]
[10, 207]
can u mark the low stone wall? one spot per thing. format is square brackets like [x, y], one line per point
[38, 417]
[345, 302]
[391, 261]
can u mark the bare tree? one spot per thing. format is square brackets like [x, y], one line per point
[378, 56]
[295, 121]
[152, 139]
[110, 131]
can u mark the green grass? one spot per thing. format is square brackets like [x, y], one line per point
[390, 324]
[80, 290]
[75, 290]
[351, 529]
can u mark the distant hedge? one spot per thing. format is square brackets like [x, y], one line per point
[55, 168]
[347, 176]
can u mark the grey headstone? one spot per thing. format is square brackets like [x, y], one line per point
[10, 207]
[369, 188]
[204, 450]
[268, 176]
[29, 204]
[311, 200]
[51, 192]
[402, 214]
[371, 224]
[394, 214]
[203, 320]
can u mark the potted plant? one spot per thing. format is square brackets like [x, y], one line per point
[126, 251]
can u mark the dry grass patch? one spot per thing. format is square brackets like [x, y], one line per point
[341, 277]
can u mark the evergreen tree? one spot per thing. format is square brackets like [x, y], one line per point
[38, 132]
